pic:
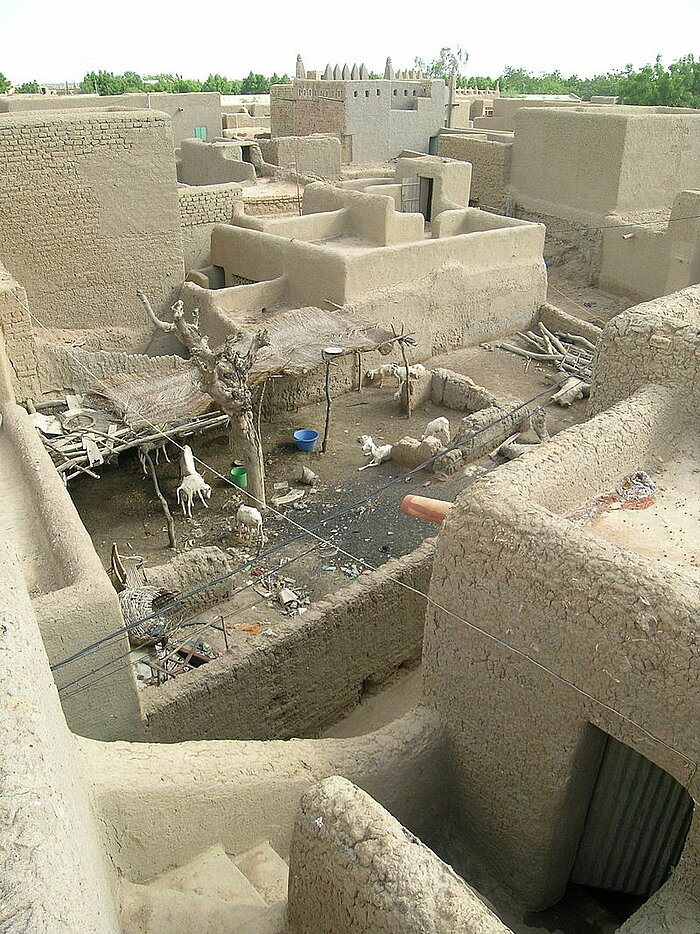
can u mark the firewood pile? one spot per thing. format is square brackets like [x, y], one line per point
[569, 353]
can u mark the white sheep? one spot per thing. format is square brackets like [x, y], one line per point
[381, 373]
[439, 428]
[379, 453]
[250, 523]
[192, 483]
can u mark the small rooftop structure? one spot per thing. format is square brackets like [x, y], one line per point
[346, 102]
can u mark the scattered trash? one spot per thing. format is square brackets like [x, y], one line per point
[308, 477]
[287, 597]
[292, 497]
[637, 491]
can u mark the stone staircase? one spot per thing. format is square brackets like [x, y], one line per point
[213, 893]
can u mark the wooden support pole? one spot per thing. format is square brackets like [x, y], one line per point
[327, 427]
[163, 502]
[402, 345]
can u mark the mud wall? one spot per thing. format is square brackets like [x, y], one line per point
[657, 342]
[89, 213]
[201, 207]
[55, 873]
[306, 674]
[308, 155]
[186, 111]
[616, 625]
[76, 604]
[490, 163]
[18, 363]
[353, 867]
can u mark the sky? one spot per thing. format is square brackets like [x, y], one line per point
[52, 42]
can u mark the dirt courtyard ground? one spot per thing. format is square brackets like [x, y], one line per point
[121, 506]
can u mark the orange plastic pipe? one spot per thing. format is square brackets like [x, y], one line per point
[422, 507]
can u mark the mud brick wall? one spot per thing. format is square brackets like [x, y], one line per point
[490, 167]
[201, 207]
[18, 365]
[309, 672]
[354, 867]
[89, 213]
[657, 342]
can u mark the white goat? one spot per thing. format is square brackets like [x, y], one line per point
[250, 523]
[157, 445]
[379, 454]
[439, 428]
[192, 484]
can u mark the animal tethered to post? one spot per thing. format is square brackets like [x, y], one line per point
[223, 375]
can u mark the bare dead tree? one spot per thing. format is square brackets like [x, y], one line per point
[223, 375]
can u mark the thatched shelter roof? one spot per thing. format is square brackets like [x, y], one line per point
[297, 340]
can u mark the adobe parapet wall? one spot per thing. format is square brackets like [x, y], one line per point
[353, 867]
[79, 250]
[491, 167]
[76, 604]
[657, 342]
[18, 364]
[201, 207]
[306, 673]
[617, 625]
[55, 872]
[484, 279]
[186, 111]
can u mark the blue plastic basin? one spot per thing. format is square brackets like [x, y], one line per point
[306, 439]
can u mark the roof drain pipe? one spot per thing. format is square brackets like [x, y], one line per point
[422, 507]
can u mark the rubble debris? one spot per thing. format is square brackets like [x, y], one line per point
[308, 477]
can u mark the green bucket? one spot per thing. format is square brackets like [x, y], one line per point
[239, 475]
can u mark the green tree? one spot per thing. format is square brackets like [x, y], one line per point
[449, 61]
[4, 83]
[29, 87]
[133, 82]
[675, 86]
[217, 83]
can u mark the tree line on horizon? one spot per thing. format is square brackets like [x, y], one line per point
[106, 83]
[677, 85]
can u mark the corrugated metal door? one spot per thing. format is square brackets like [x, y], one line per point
[410, 195]
[636, 825]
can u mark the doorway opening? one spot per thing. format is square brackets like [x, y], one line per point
[426, 198]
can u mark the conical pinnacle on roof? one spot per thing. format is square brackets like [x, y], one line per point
[364, 74]
[355, 73]
[300, 70]
[328, 73]
[389, 69]
[336, 73]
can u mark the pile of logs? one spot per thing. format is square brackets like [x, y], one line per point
[569, 353]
